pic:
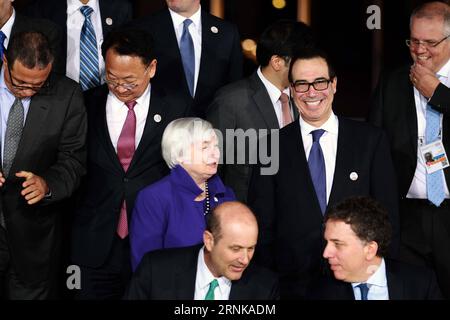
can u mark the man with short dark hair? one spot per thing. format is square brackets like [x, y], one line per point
[127, 117]
[261, 101]
[323, 158]
[357, 235]
[43, 132]
[221, 269]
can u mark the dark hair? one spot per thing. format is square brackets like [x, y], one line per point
[367, 218]
[213, 224]
[130, 42]
[283, 38]
[31, 48]
[308, 54]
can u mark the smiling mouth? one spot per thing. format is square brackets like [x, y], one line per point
[314, 103]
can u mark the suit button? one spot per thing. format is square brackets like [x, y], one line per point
[125, 179]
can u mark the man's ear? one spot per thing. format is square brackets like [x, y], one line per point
[208, 240]
[371, 250]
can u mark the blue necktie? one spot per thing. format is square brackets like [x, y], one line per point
[316, 163]
[89, 74]
[435, 185]
[187, 55]
[2, 48]
[364, 290]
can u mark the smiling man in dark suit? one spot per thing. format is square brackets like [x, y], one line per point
[221, 269]
[126, 118]
[197, 52]
[412, 104]
[43, 133]
[357, 235]
[322, 159]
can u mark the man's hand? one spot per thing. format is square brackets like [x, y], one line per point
[34, 187]
[2, 179]
[423, 79]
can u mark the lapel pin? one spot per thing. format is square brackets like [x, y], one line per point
[353, 176]
[214, 29]
[109, 21]
[157, 118]
[215, 199]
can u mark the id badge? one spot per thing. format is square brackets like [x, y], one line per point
[434, 156]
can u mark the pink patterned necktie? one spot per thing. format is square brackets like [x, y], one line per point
[285, 110]
[125, 152]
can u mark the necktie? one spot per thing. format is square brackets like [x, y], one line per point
[187, 55]
[364, 290]
[212, 286]
[316, 163]
[89, 74]
[14, 128]
[285, 110]
[125, 152]
[435, 185]
[2, 48]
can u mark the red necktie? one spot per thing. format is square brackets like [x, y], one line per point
[285, 110]
[125, 152]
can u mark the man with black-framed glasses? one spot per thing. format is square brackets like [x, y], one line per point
[412, 104]
[43, 130]
[323, 159]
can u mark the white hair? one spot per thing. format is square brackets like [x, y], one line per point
[179, 135]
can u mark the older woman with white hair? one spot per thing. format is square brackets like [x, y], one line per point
[171, 212]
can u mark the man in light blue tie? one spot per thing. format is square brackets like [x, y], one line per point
[357, 235]
[413, 106]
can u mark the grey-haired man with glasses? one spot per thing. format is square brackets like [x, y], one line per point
[323, 159]
[413, 106]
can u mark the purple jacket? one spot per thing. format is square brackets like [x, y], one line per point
[166, 216]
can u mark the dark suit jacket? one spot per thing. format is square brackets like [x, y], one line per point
[106, 184]
[244, 104]
[289, 215]
[119, 11]
[405, 282]
[220, 63]
[53, 147]
[170, 275]
[394, 110]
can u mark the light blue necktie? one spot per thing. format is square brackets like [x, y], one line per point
[316, 163]
[2, 40]
[435, 184]
[364, 290]
[89, 73]
[187, 55]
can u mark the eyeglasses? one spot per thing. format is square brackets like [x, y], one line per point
[126, 85]
[301, 86]
[43, 86]
[414, 43]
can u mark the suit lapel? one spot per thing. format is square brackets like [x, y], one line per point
[395, 283]
[263, 102]
[411, 120]
[185, 278]
[240, 289]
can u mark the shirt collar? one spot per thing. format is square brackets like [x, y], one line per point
[377, 279]
[272, 90]
[7, 27]
[445, 70]
[330, 126]
[178, 19]
[204, 276]
[75, 5]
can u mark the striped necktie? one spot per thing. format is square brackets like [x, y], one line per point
[89, 70]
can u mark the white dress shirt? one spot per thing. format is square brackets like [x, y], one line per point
[328, 143]
[377, 283]
[7, 27]
[195, 29]
[116, 114]
[204, 278]
[418, 188]
[75, 21]
[274, 94]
